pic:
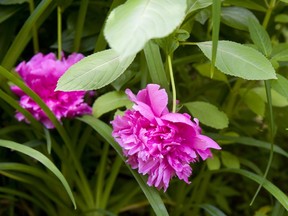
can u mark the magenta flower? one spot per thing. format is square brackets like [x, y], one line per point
[41, 74]
[157, 142]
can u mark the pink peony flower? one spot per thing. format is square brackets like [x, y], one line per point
[157, 142]
[41, 74]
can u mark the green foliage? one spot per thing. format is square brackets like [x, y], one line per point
[239, 60]
[94, 71]
[134, 23]
[136, 42]
[208, 114]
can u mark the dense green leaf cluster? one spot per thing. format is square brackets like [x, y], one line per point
[224, 61]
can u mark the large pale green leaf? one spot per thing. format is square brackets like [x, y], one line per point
[42, 159]
[94, 71]
[108, 102]
[239, 60]
[260, 37]
[132, 24]
[208, 114]
[151, 193]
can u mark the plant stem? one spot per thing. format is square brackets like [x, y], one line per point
[271, 136]
[34, 29]
[172, 83]
[59, 31]
[80, 24]
[268, 13]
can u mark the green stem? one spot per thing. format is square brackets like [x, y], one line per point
[34, 29]
[110, 182]
[80, 24]
[174, 102]
[59, 31]
[101, 175]
[232, 97]
[271, 136]
[268, 13]
[270, 109]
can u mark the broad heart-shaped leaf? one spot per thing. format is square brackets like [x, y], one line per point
[238, 60]
[260, 37]
[94, 71]
[42, 159]
[208, 114]
[110, 101]
[132, 24]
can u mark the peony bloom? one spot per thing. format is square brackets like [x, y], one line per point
[41, 74]
[157, 142]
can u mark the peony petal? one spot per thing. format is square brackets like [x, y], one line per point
[158, 99]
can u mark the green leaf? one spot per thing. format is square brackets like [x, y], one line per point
[151, 193]
[250, 4]
[249, 142]
[204, 70]
[42, 159]
[155, 65]
[212, 210]
[110, 101]
[280, 85]
[281, 18]
[7, 11]
[285, 1]
[94, 71]
[10, 2]
[239, 60]
[237, 17]
[194, 5]
[253, 101]
[216, 14]
[277, 99]
[280, 52]
[208, 114]
[271, 188]
[132, 24]
[260, 37]
[213, 163]
[229, 160]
